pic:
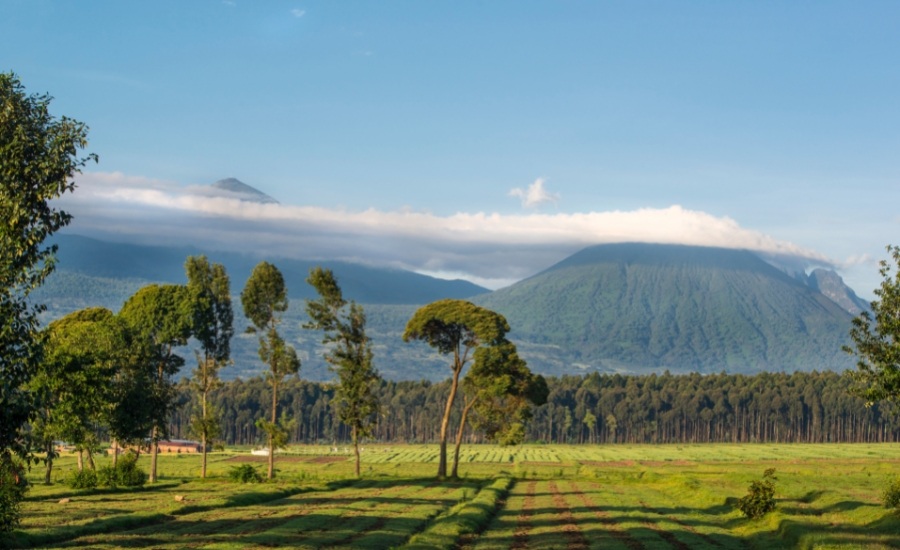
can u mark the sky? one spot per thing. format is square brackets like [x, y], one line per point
[481, 140]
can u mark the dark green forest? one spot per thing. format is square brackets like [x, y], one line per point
[595, 408]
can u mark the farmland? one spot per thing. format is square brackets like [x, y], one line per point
[533, 496]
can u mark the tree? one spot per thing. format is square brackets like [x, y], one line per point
[212, 326]
[877, 339]
[498, 388]
[38, 159]
[454, 327]
[160, 317]
[264, 297]
[350, 355]
[74, 382]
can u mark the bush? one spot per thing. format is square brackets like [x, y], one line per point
[891, 494]
[125, 474]
[85, 479]
[245, 473]
[761, 498]
[12, 490]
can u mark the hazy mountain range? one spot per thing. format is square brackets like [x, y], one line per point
[611, 308]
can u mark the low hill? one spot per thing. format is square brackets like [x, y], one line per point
[640, 307]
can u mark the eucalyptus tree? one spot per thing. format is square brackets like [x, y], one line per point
[160, 316]
[264, 299]
[349, 355]
[38, 159]
[212, 317]
[458, 328]
[876, 338]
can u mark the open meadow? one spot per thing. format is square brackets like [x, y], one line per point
[532, 496]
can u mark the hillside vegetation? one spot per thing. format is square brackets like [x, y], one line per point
[640, 307]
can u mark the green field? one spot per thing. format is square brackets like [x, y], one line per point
[613, 496]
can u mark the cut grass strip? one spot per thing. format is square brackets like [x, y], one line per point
[463, 519]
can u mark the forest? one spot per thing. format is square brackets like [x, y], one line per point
[808, 407]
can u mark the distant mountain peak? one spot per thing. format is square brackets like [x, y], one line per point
[235, 187]
[832, 286]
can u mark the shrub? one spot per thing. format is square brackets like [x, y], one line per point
[760, 500]
[245, 473]
[891, 494]
[12, 490]
[85, 479]
[125, 474]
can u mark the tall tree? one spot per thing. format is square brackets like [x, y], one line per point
[349, 355]
[38, 159]
[264, 298]
[212, 325]
[499, 388]
[160, 316]
[455, 327]
[877, 339]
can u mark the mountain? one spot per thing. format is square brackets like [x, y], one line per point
[629, 308]
[238, 189]
[85, 259]
[91, 272]
[645, 307]
[831, 285]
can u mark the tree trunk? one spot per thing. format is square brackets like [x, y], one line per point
[445, 423]
[459, 436]
[356, 448]
[49, 469]
[154, 450]
[80, 459]
[203, 434]
[271, 474]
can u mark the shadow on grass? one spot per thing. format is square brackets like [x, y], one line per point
[288, 502]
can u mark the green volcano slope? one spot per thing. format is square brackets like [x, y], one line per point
[637, 307]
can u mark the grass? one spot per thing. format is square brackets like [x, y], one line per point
[535, 496]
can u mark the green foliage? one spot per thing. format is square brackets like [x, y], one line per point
[37, 163]
[890, 496]
[244, 473]
[212, 325]
[126, 473]
[264, 298]
[350, 354]
[84, 479]
[877, 339]
[760, 500]
[12, 490]
[459, 328]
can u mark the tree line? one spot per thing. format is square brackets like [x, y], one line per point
[801, 407]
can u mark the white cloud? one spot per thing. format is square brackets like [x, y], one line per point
[491, 248]
[535, 195]
[298, 12]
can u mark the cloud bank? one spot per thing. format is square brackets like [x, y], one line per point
[488, 248]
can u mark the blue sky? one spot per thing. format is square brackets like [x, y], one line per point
[777, 121]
